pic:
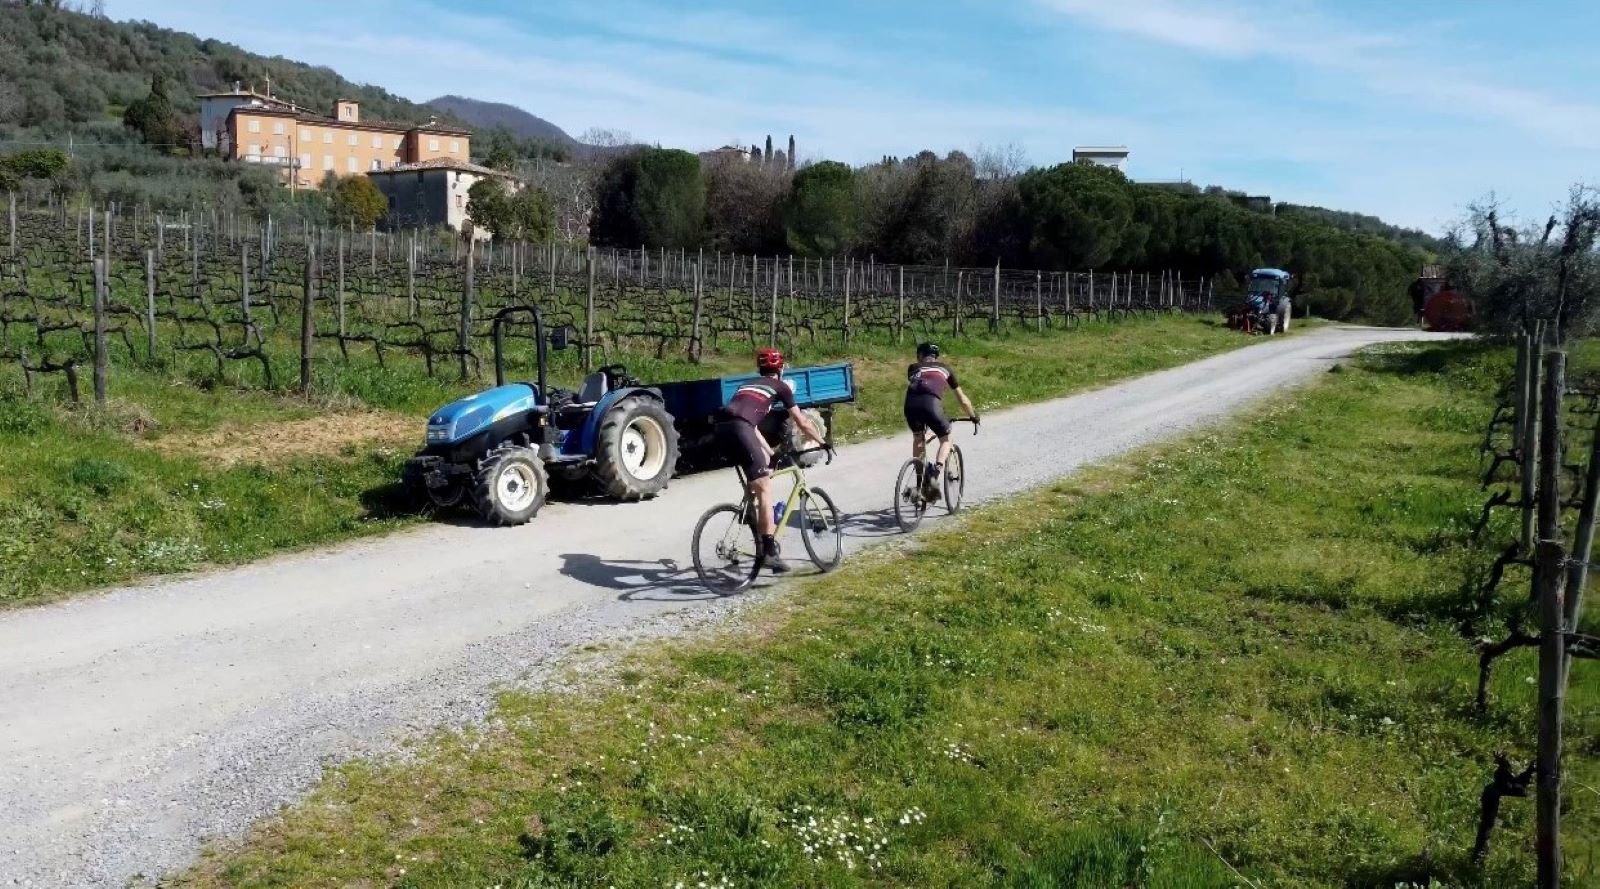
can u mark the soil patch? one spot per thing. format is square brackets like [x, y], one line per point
[278, 442]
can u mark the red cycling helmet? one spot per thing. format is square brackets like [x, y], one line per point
[769, 360]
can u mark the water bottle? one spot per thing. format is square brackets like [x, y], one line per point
[777, 514]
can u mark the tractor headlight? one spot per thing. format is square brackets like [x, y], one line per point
[439, 434]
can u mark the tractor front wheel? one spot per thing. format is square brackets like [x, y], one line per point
[510, 486]
[638, 450]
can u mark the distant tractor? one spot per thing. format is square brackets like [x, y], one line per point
[1438, 305]
[1266, 307]
[496, 451]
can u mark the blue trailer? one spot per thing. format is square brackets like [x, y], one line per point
[498, 449]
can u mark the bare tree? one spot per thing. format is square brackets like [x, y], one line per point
[571, 190]
[602, 137]
[1000, 162]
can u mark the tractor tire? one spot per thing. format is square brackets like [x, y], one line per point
[797, 441]
[638, 450]
[510, 486]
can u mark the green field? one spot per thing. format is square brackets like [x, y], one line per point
[179, 472]
[1232, 661]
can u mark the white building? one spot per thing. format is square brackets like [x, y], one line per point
[433, 192]
[1114, 156]
[215, 108]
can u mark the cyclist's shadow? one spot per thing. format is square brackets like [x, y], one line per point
[662, 580]
[874, 525]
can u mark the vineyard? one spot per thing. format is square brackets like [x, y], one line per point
[222, 300]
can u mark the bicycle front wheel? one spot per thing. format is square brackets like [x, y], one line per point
[821, 530]
[955, 481]
[909, 504]
[727, 554]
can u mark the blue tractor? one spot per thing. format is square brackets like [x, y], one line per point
[498, 451]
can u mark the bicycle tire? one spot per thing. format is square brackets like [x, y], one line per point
[725, 572]
[831, 529]
[955, 480]
[908, 503]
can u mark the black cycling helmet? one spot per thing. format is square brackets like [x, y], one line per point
[927, 350]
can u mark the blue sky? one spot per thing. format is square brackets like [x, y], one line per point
[1407, 110]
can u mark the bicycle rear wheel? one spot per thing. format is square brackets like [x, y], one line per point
[908, 502]
[821, 529]
[955, 481]
[727, 554]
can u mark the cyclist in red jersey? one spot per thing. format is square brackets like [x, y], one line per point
[739, 438]
[927, 381]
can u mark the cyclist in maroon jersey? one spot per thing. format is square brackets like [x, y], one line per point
[739, 438]
[924, 410]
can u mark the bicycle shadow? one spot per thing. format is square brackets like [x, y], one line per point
[660, 580]
[876, 525]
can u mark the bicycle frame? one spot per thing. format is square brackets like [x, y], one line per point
[798, 492]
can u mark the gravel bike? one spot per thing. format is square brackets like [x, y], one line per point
[727, 550]
[910, 503]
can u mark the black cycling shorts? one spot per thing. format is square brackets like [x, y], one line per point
[925, 412]
[741, 444]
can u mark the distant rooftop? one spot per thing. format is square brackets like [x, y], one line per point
[446, 163]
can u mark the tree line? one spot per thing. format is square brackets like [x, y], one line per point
[980, 212]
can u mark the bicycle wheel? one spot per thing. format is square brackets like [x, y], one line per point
[955, 480]
[821, 529]
[727, 555]
[908, 503]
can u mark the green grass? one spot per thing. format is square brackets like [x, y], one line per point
[1237, 653]
[104, 496]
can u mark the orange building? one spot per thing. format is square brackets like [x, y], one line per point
[310, 146]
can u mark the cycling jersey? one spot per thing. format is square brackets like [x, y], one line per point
[930, 378]
[755, 398]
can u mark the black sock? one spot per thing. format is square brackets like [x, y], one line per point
[768, 543]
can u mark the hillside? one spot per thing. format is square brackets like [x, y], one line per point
[485, 116]
[64, 70]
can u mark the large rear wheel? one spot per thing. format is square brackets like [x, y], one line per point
[638, 450]
[909, 504]
[821, 529]
[727, 553]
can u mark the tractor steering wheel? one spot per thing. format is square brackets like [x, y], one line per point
[617, 376]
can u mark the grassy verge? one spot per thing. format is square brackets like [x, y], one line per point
[1229, 662]
[178, 473]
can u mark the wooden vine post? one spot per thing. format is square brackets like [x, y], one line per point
[464, 325]
[772, 320]
[1551, 579]
[100, 357]
[699, 310]
[588, 317]
[150, 301]
[900, 310]
[308, 299]
[994, 312]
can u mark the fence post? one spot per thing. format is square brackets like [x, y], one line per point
[772, 321]
[1038, 296]
[960, 288]
[1551, 580]
[994, 313]
[339, 291]
[100, 270]
[694, 331]
[150, 301]
[1583, 542]
[1530, 439]
[411, 279]
[900, 310]
[588, 317]
[308, 300]
[244, 284]
[13, 249]
[464, 327]
[849, 279]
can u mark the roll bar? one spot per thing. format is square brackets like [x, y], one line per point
[500, 319]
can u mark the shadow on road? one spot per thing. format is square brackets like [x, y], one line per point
[661, 580]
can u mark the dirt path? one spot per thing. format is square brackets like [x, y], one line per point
[134, 723]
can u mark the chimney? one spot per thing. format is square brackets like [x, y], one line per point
[347, 110]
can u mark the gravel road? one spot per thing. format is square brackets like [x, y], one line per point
[136, 722]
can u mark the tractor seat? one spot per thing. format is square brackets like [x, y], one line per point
[593, 389]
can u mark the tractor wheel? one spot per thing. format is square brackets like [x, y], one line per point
[638, 450]
[447, 497]
[797, 441]
[510, 486]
